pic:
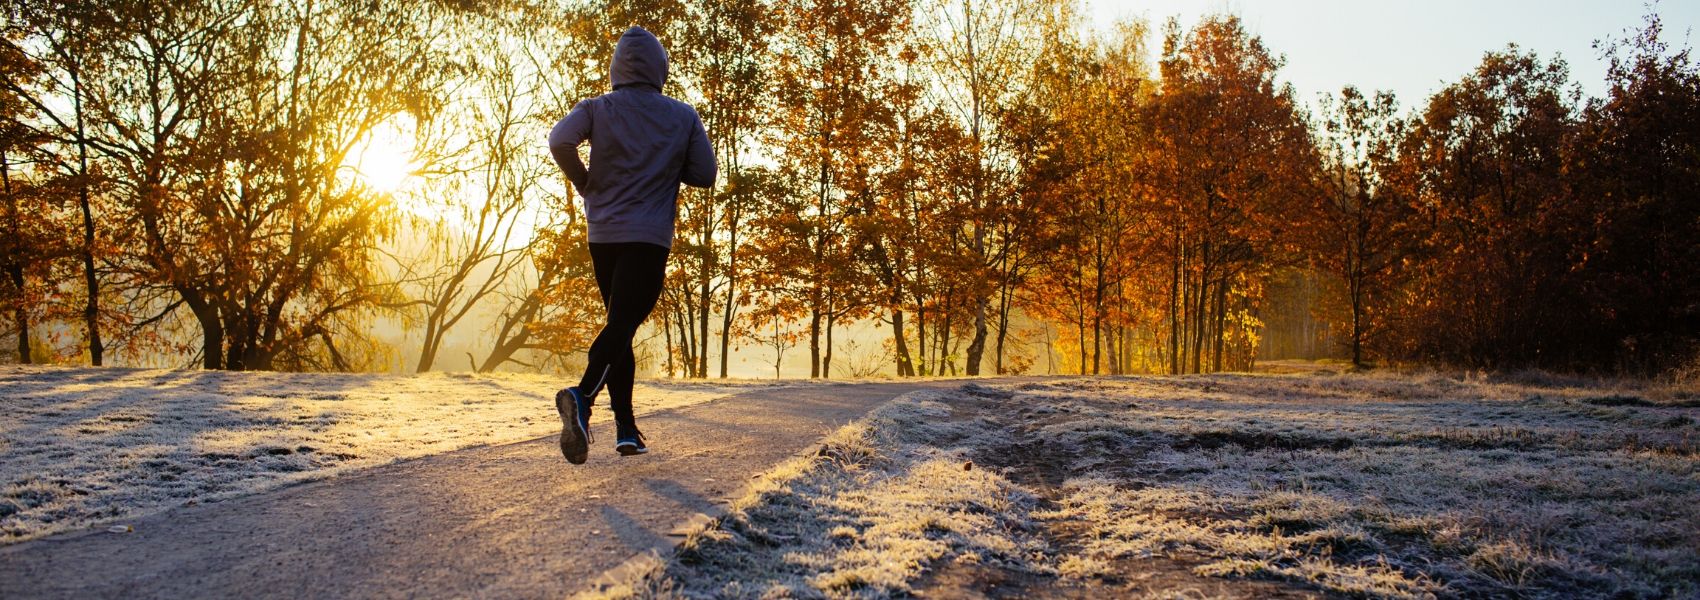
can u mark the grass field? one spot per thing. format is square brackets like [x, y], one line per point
[1253, 486]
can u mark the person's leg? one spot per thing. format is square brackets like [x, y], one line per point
[620, 379]
[605, 260]
[574, 403]
[641, 278]
[638, 274]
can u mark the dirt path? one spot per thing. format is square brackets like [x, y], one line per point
[511, 521]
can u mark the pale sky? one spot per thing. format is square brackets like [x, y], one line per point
[1416, 47]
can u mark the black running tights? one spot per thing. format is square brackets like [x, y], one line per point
[630, 276]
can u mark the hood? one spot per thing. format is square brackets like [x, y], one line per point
[638, 59]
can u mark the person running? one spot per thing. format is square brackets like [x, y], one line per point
[642, 146]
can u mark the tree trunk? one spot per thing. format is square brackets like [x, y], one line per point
[1221, 320]
[1003, 328]
[667, 338]
[730, 312]
[977, 346]
[1174, 314]
[212, 329]
[905, 367]
[725, 335]
[1201, 299]
[943, 356]
[1355, 281]
[15, 270]
[1110, 349]
[20, 312]
[1080, 333]
[91, 309]
[826, 355]
[778, 347]
[433, 340]
[685, 346]
[814, 342]
[921, 334]
[707, 301]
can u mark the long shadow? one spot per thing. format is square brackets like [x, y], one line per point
[629, 532]
[671, 490]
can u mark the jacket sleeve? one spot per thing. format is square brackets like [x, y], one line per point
[699, 169]
[564, 140]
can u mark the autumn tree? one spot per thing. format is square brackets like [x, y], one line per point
[227, 125]
[1364, 227]
[981, 50]
[831, 56]
[719, 54]
[1635, 166]
[1081, 177]
[65, 41]
[486, 197]
[31, 242]
[1229, 156]
[1489, 154]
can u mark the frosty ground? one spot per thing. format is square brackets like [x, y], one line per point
[1254, 486]
[83, 448]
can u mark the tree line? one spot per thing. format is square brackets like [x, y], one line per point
[988, 183]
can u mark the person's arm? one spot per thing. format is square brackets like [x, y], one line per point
[564, 139]
[700, 169]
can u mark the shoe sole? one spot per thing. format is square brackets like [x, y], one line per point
[575, 445]
[630, 450]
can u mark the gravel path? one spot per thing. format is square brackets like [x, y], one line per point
[511, 521]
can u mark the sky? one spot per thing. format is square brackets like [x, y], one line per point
[1414, 48]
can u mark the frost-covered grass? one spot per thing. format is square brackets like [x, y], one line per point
[883, 500]
[79, 447]
[1377, 485]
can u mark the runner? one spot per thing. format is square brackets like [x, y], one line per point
[643, 145]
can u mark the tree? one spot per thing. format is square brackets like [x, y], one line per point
[982, 48]
[1363, 227]
[1635, 164]
[721, 54]
[68, 39]
[1488, 153]
[830, 56]
[1081, 178]
[229, 125]
[1230, 156]
[30, 244]
[486, 193]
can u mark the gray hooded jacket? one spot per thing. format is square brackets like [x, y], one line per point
[642, 146]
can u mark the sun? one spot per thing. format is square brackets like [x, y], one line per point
[385, 162]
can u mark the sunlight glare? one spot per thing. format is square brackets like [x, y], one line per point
[385, 161]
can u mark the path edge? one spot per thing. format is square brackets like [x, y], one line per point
[649, 559]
